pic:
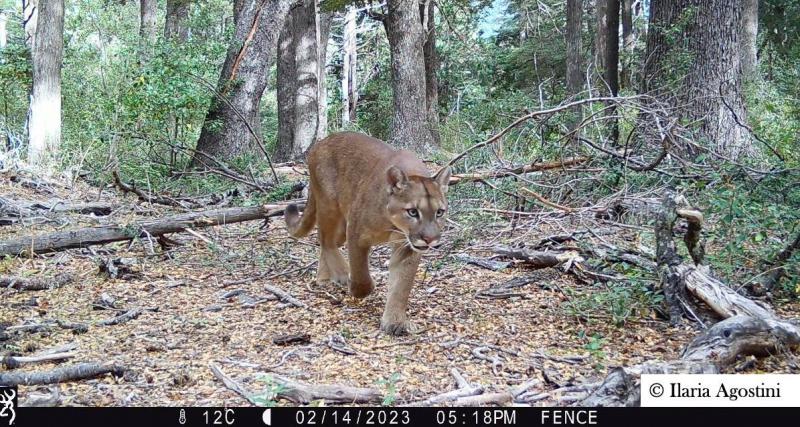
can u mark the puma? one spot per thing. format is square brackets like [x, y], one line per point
[363, 193]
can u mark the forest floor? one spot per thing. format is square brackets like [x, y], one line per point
[188, 324]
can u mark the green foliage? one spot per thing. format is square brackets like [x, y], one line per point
[268, 396]
[390, 386]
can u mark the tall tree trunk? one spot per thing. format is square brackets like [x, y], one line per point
[252, 51]
[285, 82]
[574, 57]
[627, 42]
[44, 115]
[3, 31]
[30, 14]
[323, 34]
[574, 46]
[175, 27]
[748, 43]
[306, 108]
[428, 15]
[406, 38]
[349, 66]
[148, 32]
[713, 69]
[608, 44]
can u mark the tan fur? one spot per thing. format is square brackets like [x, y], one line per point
[363, 193]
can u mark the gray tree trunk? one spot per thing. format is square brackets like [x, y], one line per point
[285, 81]
[3, 31]
[627, 42]
[406, 39]
[148, 31]
[306, 107]
[428, 15]
[323, 34]
[349, 66]
[252, 51]
[748, 47]
[175, 27]
[44, 114]
[712, 71]
[601, 37]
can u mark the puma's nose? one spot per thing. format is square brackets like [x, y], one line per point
[430, 240]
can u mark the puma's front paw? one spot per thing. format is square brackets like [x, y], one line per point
[361, 289]
[398, 328]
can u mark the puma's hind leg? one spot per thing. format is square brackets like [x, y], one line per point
[332, 265]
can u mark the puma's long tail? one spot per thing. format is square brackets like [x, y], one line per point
[300, 226]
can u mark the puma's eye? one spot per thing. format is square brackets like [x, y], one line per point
[439, 213]
[413, 213]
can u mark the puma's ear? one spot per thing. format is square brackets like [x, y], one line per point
[443, 178]
[397, 179]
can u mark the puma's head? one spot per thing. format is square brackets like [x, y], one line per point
[417, 206]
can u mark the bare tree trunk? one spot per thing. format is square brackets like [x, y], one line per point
[148, 32]
[234, 110]
[306, 107]
[44, 115]
[404, 31]
[627, 42]
[323, 34]
[285, 81]
[175, 26]
[747, 44]
[30, 14]
[574, 46]
[349, 66]
[3, 31]
[427, 15]
[714, 73]
[601, 39]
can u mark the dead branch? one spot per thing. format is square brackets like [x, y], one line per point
[519, 170]
[230, 382]
[498, 399]
[80, 238]
[183, 203]
[34, 283]
[122, 318]
[303, 393]
[285, 296]
[537, 259]
[80, 371]
[14, 361]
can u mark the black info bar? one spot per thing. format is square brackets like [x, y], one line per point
[368, 416]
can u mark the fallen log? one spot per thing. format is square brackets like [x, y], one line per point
[774, 276]
[15, 361]
[184, 202]
[80, 371]
[748, 328]
[537, 259]
[35, 283]
[81, 238]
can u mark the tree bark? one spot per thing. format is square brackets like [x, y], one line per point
[574, 46]
[323, 35]
[148, 31]
[748, 48]
[44, 114]
[404, 31]
[706, 79]
[428, 15]
[306, 107]
[349, 66]
[627, 42]
[225, 134]
[601, 37]
[175, 26]
[285, 81]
